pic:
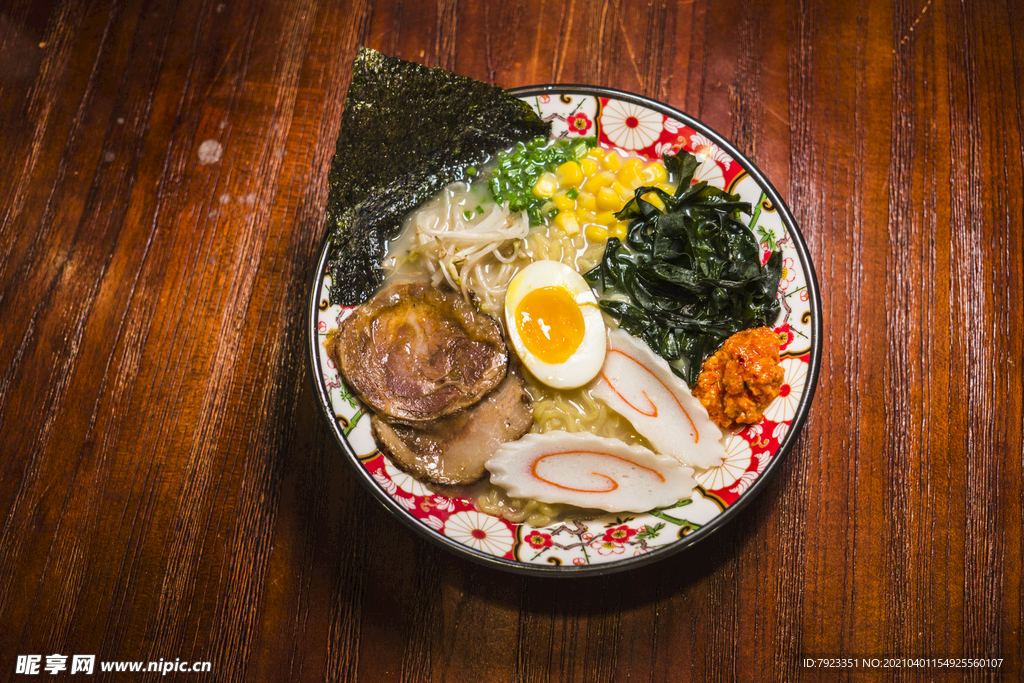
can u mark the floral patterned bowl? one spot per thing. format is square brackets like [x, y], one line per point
[613, 542]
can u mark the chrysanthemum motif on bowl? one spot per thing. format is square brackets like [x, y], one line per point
[674, 127]
[631, 126]
[735, 463]
[760, 461]
[710, 172]
[406, 482]
[479, 531]
[704, 147]
[783, 408]
[780, 431]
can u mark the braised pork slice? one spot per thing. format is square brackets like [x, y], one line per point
[453, 450]
[415, 353]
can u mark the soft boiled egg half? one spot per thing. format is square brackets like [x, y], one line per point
[555, 325]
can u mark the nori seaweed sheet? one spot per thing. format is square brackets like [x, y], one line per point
[406, 132]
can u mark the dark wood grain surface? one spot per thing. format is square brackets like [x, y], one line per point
[167, 487]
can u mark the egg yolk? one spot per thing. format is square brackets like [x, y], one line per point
[550, 324]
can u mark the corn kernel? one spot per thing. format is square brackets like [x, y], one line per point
[566, 220]
[654, 173]
[586, 217]
[667, 187]
[620, 230]
[599, 180]
[586, 201]
[569, 174]
[605, 218]
[653, 198]
[563, 203]
[545, 186]
[589, 167]
[612, 162]
[596, 233]
[624, 192]
[630, 175]
[608, 200]
[597, 154]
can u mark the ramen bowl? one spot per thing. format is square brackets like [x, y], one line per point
[610, 542]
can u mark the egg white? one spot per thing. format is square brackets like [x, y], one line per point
[584, 364]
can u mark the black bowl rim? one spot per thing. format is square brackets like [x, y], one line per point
[706, 531]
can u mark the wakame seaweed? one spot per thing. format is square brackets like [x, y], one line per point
[690, 274]
[406, 132]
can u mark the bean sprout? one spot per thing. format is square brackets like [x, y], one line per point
[458, 249]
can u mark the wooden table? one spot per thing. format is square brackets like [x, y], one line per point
[168, 490]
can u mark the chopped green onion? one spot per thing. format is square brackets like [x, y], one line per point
[517, 171]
